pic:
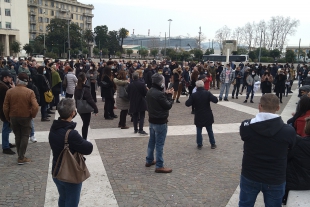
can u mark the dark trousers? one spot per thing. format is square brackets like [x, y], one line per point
[86, 120]
[69, 95]
[138, 115]
[108, 107]
[279, 95]
[122, 118]
[55, 100]
[93, 91]
[243, 87]
[21, 127]
[43, 110]
[218, 83]
[236, 89]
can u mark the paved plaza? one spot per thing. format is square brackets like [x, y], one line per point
[207, 177]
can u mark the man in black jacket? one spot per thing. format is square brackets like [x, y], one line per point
[159, 103]
[266, 143]
[203, 114]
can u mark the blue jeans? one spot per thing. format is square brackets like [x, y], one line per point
[249, 190]
[248, 91]
[199, 136]
[6, 130]
[223, 87]
[32, 128]
[158, 134]
[69, 193]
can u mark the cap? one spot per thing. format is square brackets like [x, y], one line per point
[5, 74]
[23, 77]
[203, 76]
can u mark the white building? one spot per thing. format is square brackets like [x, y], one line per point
[13, 24]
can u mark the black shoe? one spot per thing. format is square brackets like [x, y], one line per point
[136, 131]
[225, 99]
[48, 115]
[246, 101]
[109, 118]
[199, 147]
[220, 99]
[50, 112]
[233, 97]
[45, 119]
[143, 133]
[115, 116]
[251, 101]
[236, 97]
[8, 151]
[178, 101]
[12, 145]
[213, 146]
[281, 101]
[290, 92]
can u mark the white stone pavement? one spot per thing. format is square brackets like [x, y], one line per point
[97, 190]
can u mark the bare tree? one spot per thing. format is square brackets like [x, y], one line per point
[289, 28]
[237, 35]
[248, 33]
[222, 35]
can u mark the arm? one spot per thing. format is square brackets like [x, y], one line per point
[34, 105]
[165, 101]
[6, 106]
[89, 99]
[75, 80]
[189, 101]
[78, 144]
[213, 98]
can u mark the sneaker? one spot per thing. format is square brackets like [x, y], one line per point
[33, 139]
[213, 146]
[236, 97]
[178, 101]
[163, 170]
[45, 119]
[251, 101]
[143, 133]
[8, 151]
[233, 97]
[199, 147]
[225, 99]
[245, 101]
[220, 99]
[23, 161]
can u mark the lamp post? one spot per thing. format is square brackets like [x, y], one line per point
[69, 35]
[260, 46]
[44, 35]
[169, 20]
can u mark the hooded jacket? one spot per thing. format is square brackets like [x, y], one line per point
[57, 140]
[266, 143]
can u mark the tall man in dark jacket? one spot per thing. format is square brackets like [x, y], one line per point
[266, 143]
[203, 113]
[159, 103]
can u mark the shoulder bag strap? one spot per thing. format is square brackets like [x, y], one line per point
[82, 94]
[66, 146]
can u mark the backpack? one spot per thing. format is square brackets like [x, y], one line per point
[64, 83]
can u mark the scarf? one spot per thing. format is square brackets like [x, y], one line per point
[55, 78]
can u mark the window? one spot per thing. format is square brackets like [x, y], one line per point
[8, 25]
[40, 11]
[52, 4]
[40, 19]
[81, 17]
[77, 17]
[52, 13]
[72, 16]
[82, 25]
[47, 20]
[77, 9]
[7, 12]
[8, 1]
[57, 5]
[0, 25]
[41, 28]
[32, 36]
[72, 8]
[40, 2]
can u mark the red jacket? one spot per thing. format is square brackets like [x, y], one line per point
[207, 82]
[300, 124]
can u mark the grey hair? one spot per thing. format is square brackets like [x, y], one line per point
[135, 75]
[20, 82]
[65, 107]
[200, 84]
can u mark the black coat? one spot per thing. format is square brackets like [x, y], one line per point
[280, 83]
[108, 91]
[136, 93]
[86, 96]
[31, 86]
[298, 166]
[42, 87]
[201, 102]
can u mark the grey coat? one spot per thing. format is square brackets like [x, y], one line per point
[71, 82]
[121, 103]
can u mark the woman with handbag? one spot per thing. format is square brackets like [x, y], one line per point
[122, 101]
[82, 92]
[107, 91]
[43, 86]
[69, 189]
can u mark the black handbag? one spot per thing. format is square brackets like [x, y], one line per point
[123, 93]
[83, 106]
[104, 84]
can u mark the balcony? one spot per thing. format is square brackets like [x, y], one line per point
[33, 30]
[32, 21]
[63, 10]
[88, 21]
[32, 13]
[32, 3]
[88, 14]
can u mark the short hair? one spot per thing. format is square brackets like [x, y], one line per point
[269, 102]
[135, 75]
[199, 84]
[65, 107]
[110, 62]
[307, 126]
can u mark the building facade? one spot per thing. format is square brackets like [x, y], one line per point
[304, 49]
[13, 25]
[42, 11]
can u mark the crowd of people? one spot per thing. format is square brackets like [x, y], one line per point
[136, 87]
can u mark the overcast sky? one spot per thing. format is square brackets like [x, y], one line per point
[188, 16]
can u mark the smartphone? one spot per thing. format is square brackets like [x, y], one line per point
[170, 86]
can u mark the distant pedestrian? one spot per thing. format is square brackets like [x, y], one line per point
[227, 77]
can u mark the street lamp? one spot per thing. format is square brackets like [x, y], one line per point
[44, 34]
[169, 20]
[69, 35]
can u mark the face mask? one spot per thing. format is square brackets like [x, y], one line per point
[112, 67]
[308, 75]
[44, 72]
[253, 73]
[162, 85]
[91, 68]
[87, 63]
[256, 66]
[74, 115]
[81, 68]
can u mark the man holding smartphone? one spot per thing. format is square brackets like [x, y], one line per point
[159, 103]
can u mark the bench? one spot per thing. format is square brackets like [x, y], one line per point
[298, 198]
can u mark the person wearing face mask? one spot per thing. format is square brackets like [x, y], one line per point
[280, 80]
[251, 79]
[266, 82]
[69, 193]
[159, 103]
